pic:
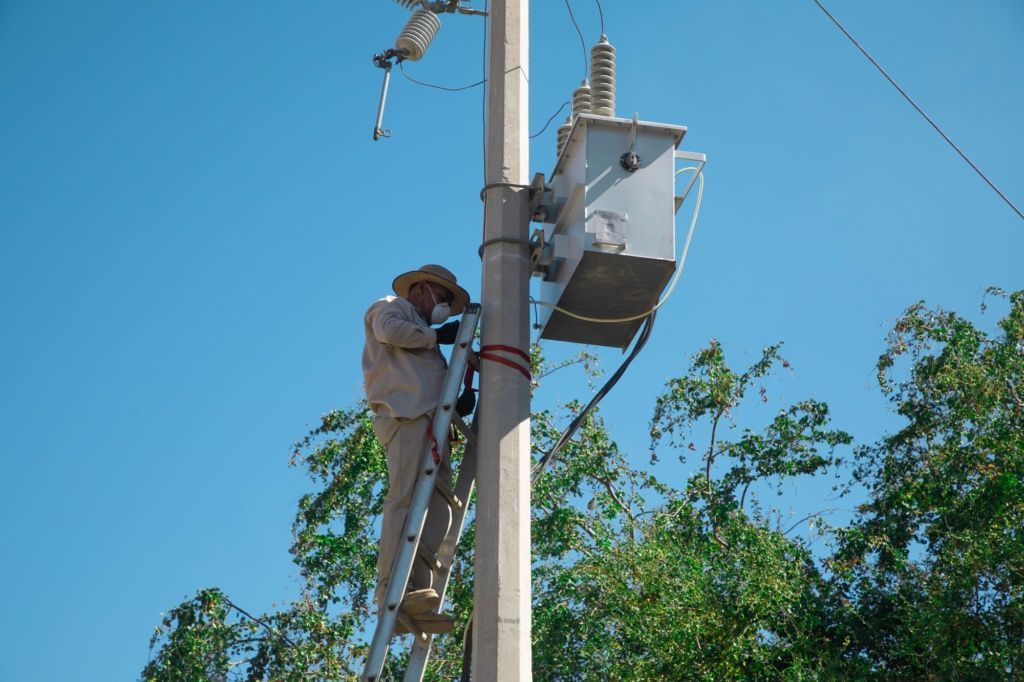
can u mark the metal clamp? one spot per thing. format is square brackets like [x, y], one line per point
[495, 185]
[500, 240]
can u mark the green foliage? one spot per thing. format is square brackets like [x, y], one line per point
[637, 578]
[199, 639]
[796, 442]
[932, 569]
[335, 540]
[675, 605]
[210, 639]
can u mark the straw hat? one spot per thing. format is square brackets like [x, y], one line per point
[437, 275]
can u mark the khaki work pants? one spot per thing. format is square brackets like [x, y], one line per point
[405, 441]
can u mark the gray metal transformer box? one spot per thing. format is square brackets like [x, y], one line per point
[612, 231]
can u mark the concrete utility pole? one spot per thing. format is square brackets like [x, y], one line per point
[501, 596]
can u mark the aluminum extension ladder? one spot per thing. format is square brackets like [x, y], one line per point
[427, 485]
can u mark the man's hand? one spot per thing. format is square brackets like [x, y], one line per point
[446, 333]
[466, 402]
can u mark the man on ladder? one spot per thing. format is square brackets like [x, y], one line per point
[403, 370]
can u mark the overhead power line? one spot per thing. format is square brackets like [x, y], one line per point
[919, 110]
[446, 88]
[537, 134]
[583, 43]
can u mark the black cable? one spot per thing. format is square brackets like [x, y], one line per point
[401, 67]
[583, 43]
[467, 651]
[537, 134]
[919, 109]
[567, 435]
[600, 11]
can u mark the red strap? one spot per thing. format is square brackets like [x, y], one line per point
[434, 449]
[484, 354]
[507, 349]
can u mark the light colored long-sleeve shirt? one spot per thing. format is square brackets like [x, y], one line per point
[403, 368]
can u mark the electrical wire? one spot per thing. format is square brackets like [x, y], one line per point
[919, 110]
[401, 67]
[675, 279]
[600, 12]
[553, 116]
[567, 434]
[583, 43]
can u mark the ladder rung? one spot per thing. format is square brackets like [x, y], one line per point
[444, 490]
[410, 625]
[424, 553]
[464, 429]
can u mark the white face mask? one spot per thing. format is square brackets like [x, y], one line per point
[441, 311]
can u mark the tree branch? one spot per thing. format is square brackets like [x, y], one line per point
[623, 506]
[565, 363]
[711, 451]
[707, 476]
[811, 516]
[743, 496]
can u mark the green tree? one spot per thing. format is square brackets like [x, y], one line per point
[931, 572]
[615, 551]
[646, 581]
[637, 578]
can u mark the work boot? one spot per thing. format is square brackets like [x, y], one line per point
[419, 601]
[433, 623]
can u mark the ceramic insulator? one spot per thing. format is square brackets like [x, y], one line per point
[602, 75]
[419, 31]
[581, 99]
[563, 134]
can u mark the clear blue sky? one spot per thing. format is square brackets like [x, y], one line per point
[193, 218]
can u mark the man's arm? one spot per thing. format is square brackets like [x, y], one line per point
[390, 327]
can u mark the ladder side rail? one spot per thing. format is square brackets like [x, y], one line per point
[416, 516]
[456, 371]
[420, 653]
[402, 567]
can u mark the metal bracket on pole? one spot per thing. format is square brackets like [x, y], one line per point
[541, 197]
